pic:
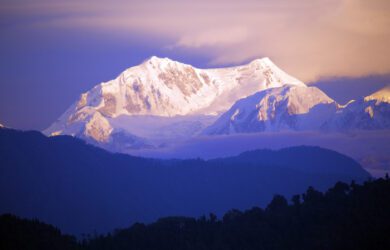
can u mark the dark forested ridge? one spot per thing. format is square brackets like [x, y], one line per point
[80, 188]
[347, 216]
[24, 234]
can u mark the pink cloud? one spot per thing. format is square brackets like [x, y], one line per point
[309, 38]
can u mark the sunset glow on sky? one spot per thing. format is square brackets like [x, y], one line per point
[54, 50]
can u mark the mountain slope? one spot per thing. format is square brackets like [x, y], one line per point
[370, 112]
[302, 108]
[338, 218]
[18, 233]
[80, 188]
[162, 103]
[164, 88]
[382, 95]
[287, 107]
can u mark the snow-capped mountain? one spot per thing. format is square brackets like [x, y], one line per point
[381, 96]
[287, 107]
[162, 101]
[302, 108]
[370, 112]
[160, 87]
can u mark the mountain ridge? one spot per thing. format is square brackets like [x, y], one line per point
[68, 183]
[162, 102]
[307, 109]
[382, 95]
[166, 88]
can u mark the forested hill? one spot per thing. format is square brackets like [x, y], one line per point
[344, 217]
[80, 188]
[347, 216]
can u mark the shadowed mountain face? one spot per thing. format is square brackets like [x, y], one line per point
[81, 188]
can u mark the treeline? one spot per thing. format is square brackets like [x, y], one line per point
[24, 234]
[103, 191]
[347, 216]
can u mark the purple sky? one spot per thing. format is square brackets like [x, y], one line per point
[52, 52]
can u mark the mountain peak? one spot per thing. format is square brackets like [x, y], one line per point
[166, 88]
[158, 60]
[382, 95]
[262, 59]
[272, 109]
[273, 73]
[155, 63]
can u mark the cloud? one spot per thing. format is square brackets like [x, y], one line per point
[215, 37]
[308, 38]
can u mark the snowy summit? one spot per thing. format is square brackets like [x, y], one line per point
[162, 101]
[166, 88]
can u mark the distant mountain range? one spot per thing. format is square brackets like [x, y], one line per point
[161, 87]
[81, 188]
[302, 108]
[161, 102]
